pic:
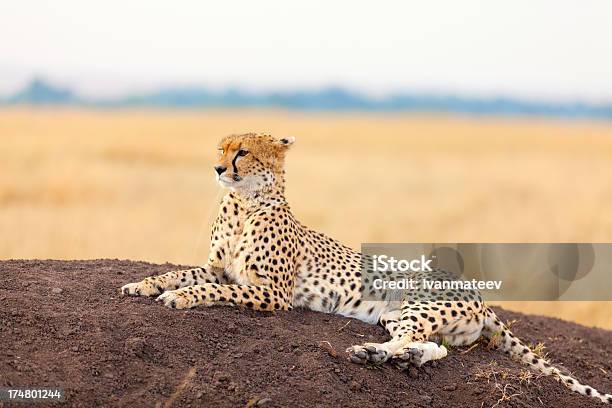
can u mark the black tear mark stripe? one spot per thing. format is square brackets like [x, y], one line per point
[234, 163]
[236, 158]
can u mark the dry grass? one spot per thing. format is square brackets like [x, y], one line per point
[508, 384]
[139, 184]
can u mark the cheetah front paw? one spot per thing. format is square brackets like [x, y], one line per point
[142, 288]
[368, 353]
[176, 299]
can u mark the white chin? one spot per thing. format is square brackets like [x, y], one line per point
[225, 183]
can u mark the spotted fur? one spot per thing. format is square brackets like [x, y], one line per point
[263, 258]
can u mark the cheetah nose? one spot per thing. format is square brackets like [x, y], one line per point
[220, 169]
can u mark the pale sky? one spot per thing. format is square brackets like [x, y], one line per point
[531, 49]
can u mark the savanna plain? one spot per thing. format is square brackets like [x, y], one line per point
[139, 184]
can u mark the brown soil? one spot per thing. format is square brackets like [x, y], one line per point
[63, 324]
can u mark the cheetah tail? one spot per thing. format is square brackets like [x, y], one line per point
[495, 330]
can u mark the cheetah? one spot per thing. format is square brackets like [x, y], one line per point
[261, 257]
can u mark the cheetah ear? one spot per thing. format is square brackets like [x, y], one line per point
[287, 141]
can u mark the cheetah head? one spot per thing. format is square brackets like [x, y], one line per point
[251, 161]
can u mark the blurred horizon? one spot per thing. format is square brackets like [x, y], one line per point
[334, 98]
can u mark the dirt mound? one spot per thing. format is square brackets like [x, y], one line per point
[63, 324]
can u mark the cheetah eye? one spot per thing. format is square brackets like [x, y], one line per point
[242, 152]
[221, 150]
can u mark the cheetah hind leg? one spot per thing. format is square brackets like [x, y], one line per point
[368, 353]
[418, 353]
[403, 348]
[375, 353]
[412, 354]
